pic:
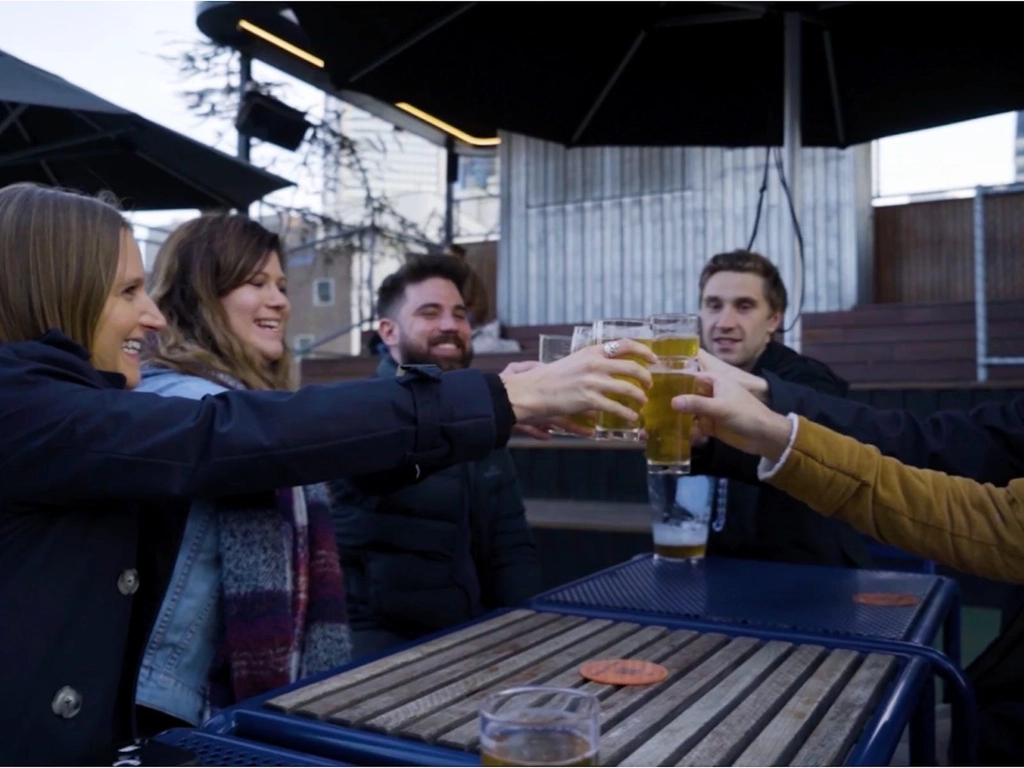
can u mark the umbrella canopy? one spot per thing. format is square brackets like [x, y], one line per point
[639, 73]
[56, 133]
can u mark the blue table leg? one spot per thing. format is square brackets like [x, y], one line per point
[922, 728]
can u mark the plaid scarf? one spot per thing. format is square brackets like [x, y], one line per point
[282, 594]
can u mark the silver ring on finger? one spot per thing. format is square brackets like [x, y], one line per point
[611, 348]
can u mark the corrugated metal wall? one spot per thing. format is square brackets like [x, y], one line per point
[625, 231]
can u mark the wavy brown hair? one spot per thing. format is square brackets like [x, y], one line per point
[59, 255]
[202, 261]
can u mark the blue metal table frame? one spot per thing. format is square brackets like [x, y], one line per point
[803, 598]
[220, 750]
[899, 706]
[788, 602]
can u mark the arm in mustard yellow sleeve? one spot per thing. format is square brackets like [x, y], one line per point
[973, 527]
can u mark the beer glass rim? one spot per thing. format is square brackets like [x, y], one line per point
[515, 716]
[672, 316]
[553, 336]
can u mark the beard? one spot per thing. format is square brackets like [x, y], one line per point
[424, 356]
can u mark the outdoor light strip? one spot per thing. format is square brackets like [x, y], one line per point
[284, 45]
[294, 50]
[475, 141]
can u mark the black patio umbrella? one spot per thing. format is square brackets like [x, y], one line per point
[672, 73]
[56, 133]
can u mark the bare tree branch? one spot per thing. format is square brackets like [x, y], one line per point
[210, 76]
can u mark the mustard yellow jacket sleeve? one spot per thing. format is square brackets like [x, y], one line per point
[973, 527]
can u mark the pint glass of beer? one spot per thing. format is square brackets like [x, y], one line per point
[553, 348]
[538, 725]
[675, 335]
[583, 336]
[680, 513]
[610, 426]
[668, 430]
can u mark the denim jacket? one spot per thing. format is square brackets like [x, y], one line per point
[184, 638]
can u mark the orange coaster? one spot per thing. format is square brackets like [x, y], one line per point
[887, 599]
[623, 672]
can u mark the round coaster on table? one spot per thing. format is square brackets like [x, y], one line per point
[623, 672]
[885, 599]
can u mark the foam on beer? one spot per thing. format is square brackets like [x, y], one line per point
[686, 534]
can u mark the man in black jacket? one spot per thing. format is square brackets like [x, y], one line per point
[742, 303]
[428, 556]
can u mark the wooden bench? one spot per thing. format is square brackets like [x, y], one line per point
[727, 700]
[611, 516]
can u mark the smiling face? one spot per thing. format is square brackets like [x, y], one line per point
[736, 320]
[257, 311]
[430, 327]
[129, 313]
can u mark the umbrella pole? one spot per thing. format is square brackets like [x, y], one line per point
[451, 177]
[245, 78]
[792, 144]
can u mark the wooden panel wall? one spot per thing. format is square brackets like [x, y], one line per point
[924, 252]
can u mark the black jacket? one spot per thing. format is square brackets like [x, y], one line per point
[438, 553]
[763, 523]
[95, 486]
[985, 444]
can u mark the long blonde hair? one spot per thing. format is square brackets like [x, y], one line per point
[59, 255]
[202, 261]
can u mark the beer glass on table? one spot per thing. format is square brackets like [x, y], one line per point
[539, 725]
[680, 515]
[554, 347]
[610, 426]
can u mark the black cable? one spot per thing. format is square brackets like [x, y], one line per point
[760, 198]
[799, 238]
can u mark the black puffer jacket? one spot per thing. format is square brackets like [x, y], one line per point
[437, 553]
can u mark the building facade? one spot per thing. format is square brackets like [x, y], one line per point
[624, 231]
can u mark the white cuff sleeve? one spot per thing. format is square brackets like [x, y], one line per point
[765, 468]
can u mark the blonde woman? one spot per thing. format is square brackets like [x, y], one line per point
[96, 482]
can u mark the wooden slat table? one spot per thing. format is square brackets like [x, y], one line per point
[727, 700]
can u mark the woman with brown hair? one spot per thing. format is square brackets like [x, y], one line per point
[96, 482]
[265, 583]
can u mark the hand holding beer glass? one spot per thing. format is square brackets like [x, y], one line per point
[609, 425]
[538, 725]
[583, 336]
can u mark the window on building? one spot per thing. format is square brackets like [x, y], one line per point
[302, 342]
[323, 292]
[475, 171]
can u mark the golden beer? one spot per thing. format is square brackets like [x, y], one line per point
[668, 430]
[608, 424]
[675, 335]
[617, 426]
[676, 346]
[685, 540]
[585, 420]
[529, 747]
